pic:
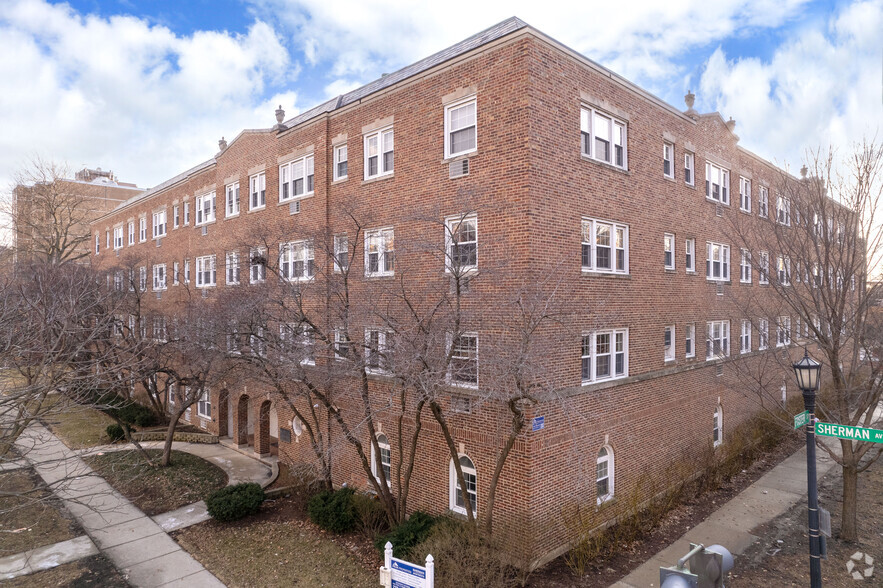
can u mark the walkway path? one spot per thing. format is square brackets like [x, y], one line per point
[767, 498]
[136, 544]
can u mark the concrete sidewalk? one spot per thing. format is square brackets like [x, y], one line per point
[135, 544]
[767, 498]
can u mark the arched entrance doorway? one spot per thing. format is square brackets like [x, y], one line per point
[223, 413]
[262, 433]
[242, 421]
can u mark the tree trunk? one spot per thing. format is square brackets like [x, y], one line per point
[849, 514]
[170, 436]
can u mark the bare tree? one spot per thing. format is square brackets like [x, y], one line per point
[818, 253]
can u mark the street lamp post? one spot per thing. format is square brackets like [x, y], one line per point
[807, 372]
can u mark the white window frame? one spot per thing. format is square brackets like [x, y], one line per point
[669, 343]
[690, 255]
[257, 191]
[454, 485]
[590, 350]
[457, 233]
[206, 264]
[341, 253]
[744, 194]
[745, 337]
[381, 136]
[763, 202]
[745, 266]
[107, 237]
[293, 253]
[763, 269]
[176, 278]
[717, 253]
[385, 452]
[465, 359]
[783, 270]
[204, 404]
[231, 267]
[668, 160]
[341, 342]
[783, 331]
[118, 238]
[589, 238]
[297, 179]
[142, 229]
[176, 216]
[380, 364]
[160, 277]
[689, 169]
[763, 334]
[383, 240]
[690, 340]
[186, 271]
[257, 272]
[717, 432]
[722, 176]
[231, 200]
[142, 278]
[341, 157]
[668, 248]
[205, 209]
[186, 213]
[783, 211]
[131, 232]
[607, 460]
[589, 117]
[160, 227]
[449, 130]
[717, 337]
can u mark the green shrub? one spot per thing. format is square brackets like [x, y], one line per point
[137, 414]
[408, 534]
[334, 511]
[115, 432]
[234, 502]
[370, 515]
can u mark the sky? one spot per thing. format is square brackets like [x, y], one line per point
[147, 89]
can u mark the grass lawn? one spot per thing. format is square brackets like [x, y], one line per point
[278, 548]
[32, 519]
[77, 426]
[91, 571]
[153, 489]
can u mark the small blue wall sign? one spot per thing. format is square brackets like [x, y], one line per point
[539, 423]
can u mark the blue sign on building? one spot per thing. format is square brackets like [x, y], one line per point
[539, 423]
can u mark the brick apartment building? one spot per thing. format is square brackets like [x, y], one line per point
[559, 174]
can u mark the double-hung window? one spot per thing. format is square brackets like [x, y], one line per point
[603, 137]
[131, 232]
[783, 270]
[97, 243]
[142, 229]
[604, 247]
[744, 194]
[690, 255]
[204, 404]
[159, 276]
[232, 266]
[176, 216]
[668, 160]
[717, 340]
[159, 224]
[299, 341]
[604, 355]
[107, 236]
[783, 331]
[717, 431]
[205, 209]
[379, 153]
[763, 334]
[763, 268]
[377, 356]
[604, 475]
[186, 213]
[186, 271]
[340, 162]
[669, 343]
[745, 267]
[382, 461]
[257, 272]
[668, 247]
[379, 253]
[717, 183]
[176, 277]
[717, 264]
[745, 338]
[460, 128]
[205, 271]
[464, 360]
[142, 278]
[257, 189]
[297, 261]
[341, 253]
[461, 244]
[231, 206]
[763, 202]
[296, 178]
[689, 173]
[690, 341]
[118, 238]
[457, 502]
[783, 211]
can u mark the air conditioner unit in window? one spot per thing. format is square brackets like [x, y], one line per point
[719, 370]
[159, 295]
[719, 210]
[720, 288]
[458, 169]
[294, 207]
[204, 230]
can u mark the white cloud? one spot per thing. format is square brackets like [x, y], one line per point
[126, 95]
[819, 88]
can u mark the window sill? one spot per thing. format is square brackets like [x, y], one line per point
[378, 178]
[256, 209]
[205, 224]
[379, 276]
[610, 166]
[296, 198]
[709, 199]
[669, 178]
[587, 383]
[597, 274]
[670, 270]
[691, 186]
[743, 211]
[691, 272]
[605, 503]
[339, 180]
[229, 216]
[458, 156]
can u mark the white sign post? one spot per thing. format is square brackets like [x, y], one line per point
[398, 573]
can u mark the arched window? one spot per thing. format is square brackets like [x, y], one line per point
[384, 461]
[718, 430]
[457, 504]
[604, 475]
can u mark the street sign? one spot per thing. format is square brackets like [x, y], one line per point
[407, 575]
[847, 432]
[824, 522]
[801, 419]
[539, 423]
